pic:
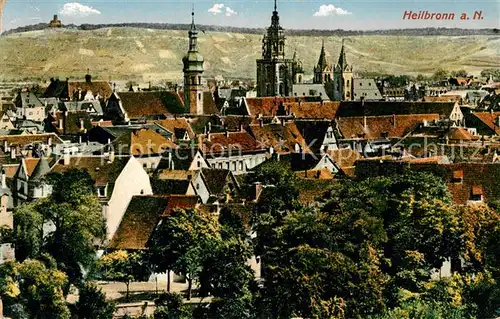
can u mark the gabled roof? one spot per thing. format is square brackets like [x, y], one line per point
[229, 142]
[314, 132]
[345, 157]
[381, 126]
[97, 87]
[382, 108]
[490, 119]
[57, 88]
[142, 142]
[460, 134]
[209, 104]
[71, 122]
[100, 168]
[282, 138]
[141, 217]
[174, 125]
[150, 103]
[216, 180]
[301, 107]
[41, 169]
[29, 139]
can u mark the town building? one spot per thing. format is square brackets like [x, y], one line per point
[276, 74]
[193, 74]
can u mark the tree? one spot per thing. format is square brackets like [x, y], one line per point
[92, 303]
[459, 73]
[123, 267]
[171, 306]
[35, 288]
[440, 74]
[180, 241]
[65, 225]
[494, 73]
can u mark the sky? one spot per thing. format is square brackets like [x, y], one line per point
[294, 14]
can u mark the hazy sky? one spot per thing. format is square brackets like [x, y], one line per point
[294, 14]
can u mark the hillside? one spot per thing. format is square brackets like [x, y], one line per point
[150, 54]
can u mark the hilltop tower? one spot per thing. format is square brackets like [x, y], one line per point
[275, 73]
[193, 73]
[323, 72]
[342, 77]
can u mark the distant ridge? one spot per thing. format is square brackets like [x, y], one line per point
[295, 32]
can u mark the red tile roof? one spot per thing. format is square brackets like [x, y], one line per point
[97, 87]
[155, 103]
[490, 119]
[229, 142]
[28, 139]
[142, 142]
[393, 126]
[282, 138]
[300, 107]
[173, 124]
[345, 157]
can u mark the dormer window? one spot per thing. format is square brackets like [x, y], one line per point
[458, 177]
[102, 191]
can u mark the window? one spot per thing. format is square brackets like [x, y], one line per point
[197, 186]
[199, 96]
[234, 166]
[241, 165]
[198, 164]
[458, 177]
[101, 191]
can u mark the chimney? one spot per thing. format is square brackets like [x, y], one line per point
[111, 155]
[4, 181]
[364, 121]
[257, 190]
[261, 122]
[88, 77]
[60, 124]
[241, 128]
[13, 152]
[227, 133]
[79, 139]
[208, 137]
[394, 120]
[109, 141]
[5, 146]
[82, 125]
[209, 127]
[66, 159]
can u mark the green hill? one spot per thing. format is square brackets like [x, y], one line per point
[153, 55]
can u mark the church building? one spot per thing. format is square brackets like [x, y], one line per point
[193, 74]
[343, 78]
[275, 73]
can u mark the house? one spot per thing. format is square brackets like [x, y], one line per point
[6, 217]
[381, 127]
[310, 162]
[365, 89]
[310, 90]
[211, 185]
[28, 145]
[283, 137]
[298, 107]
[68, 124]
[88, 90]
[319, 135]
[147, 146]
[28, 185]
[142, 216]
[127, 106]
[117, 180]
[486, 123]
[5, 122]
[345, 159]
[446, 110]
[235, 151]
[185, 159]
[179, 127]
[92, 107]
[29, 107]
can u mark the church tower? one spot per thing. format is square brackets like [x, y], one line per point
[193, 74]
[342, 77]
[323, 72]
[275, 73]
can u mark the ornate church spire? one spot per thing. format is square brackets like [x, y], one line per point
[193, 35]
[322, 57]
[342, 58]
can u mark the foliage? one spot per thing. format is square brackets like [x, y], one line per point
[180, 242]
[124, 267]
[65, 225]
[171, 306]
[495, 74]
[459, 73]
[440, 74]
[92, 303]
[33, 288]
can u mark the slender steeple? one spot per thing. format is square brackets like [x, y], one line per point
[342, 58]
[193, 35]
[322, 57]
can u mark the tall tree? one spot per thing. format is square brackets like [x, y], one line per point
[180, 241]
[124, 267]
[65, 225]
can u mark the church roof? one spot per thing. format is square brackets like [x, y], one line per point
[322, 58]
[41, 169]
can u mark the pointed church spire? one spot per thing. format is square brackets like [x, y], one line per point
[275, 6]
[193, 26]
[322, 57]
[342, 58]
[193, 34]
